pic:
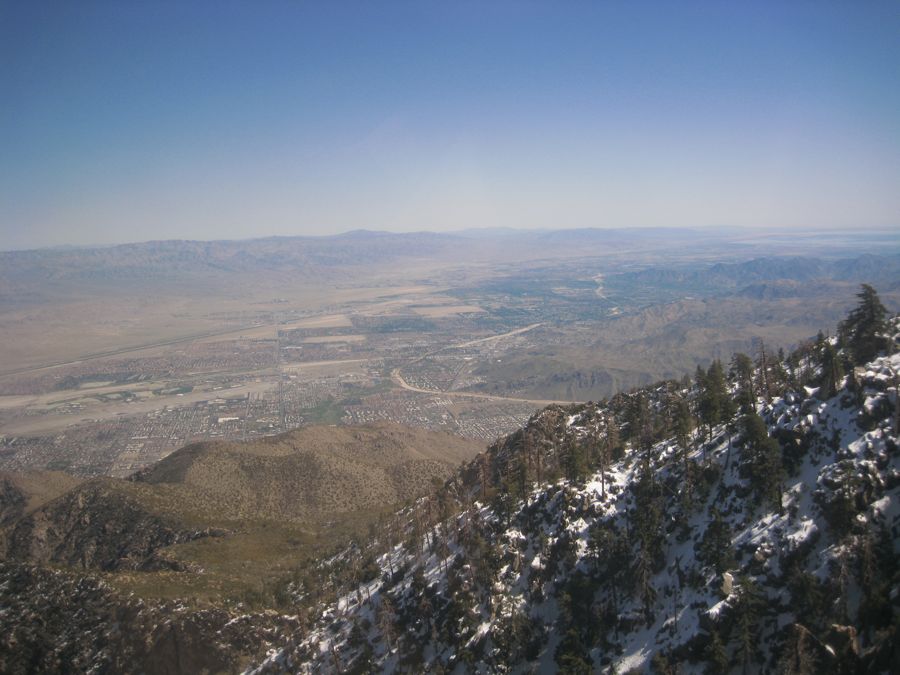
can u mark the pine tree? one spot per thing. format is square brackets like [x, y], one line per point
[808, 598]
[715, 404]
[798, 656]
[647, 523]
[362, 661]
[832, 372]
[742, 371]
[640, 422]
[716, 655]
[502, 504]
[762, 460]
[715, 547]
[663, 664]
[800, 360]
[877, 565]
[862, 330]
[575, 460]
[643, 579]
[762, 366]
[682, 424]
[571, 655]
[748, 608]
[606, 450]
[523, 477]
[728, 407]
[703, 404]
[387, 621]
[840, 509]
[613, 439]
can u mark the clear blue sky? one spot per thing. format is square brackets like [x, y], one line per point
[124, 121]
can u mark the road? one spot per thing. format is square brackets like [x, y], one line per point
[479, 341]
[397, 377]
[491, 338]
[399, 381]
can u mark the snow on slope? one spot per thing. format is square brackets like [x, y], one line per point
[611, 574]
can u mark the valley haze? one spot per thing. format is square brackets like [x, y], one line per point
[116, 356]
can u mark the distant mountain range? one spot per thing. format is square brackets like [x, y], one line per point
[725, 277]
[358, 247]
[181, 260]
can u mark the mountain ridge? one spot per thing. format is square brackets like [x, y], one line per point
[693, 554]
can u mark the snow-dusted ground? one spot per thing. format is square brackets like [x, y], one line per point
[848, 447]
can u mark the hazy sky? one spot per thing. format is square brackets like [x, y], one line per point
[125, 121]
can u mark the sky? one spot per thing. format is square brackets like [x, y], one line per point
[130, 121]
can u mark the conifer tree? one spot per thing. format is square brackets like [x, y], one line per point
[800, 360]
[682, 423]
[647, 523]
[742, 371]
[862, 330]
[840, 510]
[747, 622]
[727, 407]
[571, 655]
[798, 657]
[716, 655]
[715, 404]
[643, 579]
[613, 440]
[386, 620]
[606, 449]
[715, 547]
[762, 366]
[762, 460]
[640, 422]
[576, 460]
[832, 372]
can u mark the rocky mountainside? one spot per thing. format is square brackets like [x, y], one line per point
[58, 622]
[103, 524]
[739, 524]
[157, 574]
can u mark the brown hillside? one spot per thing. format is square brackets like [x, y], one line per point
[103, 523]
[21, 493]
[236, 510]
[311, 473]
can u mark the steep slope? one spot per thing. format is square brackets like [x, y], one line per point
[766, 539]
[57, 622]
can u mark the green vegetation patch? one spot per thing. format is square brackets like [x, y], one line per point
[328, 411]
